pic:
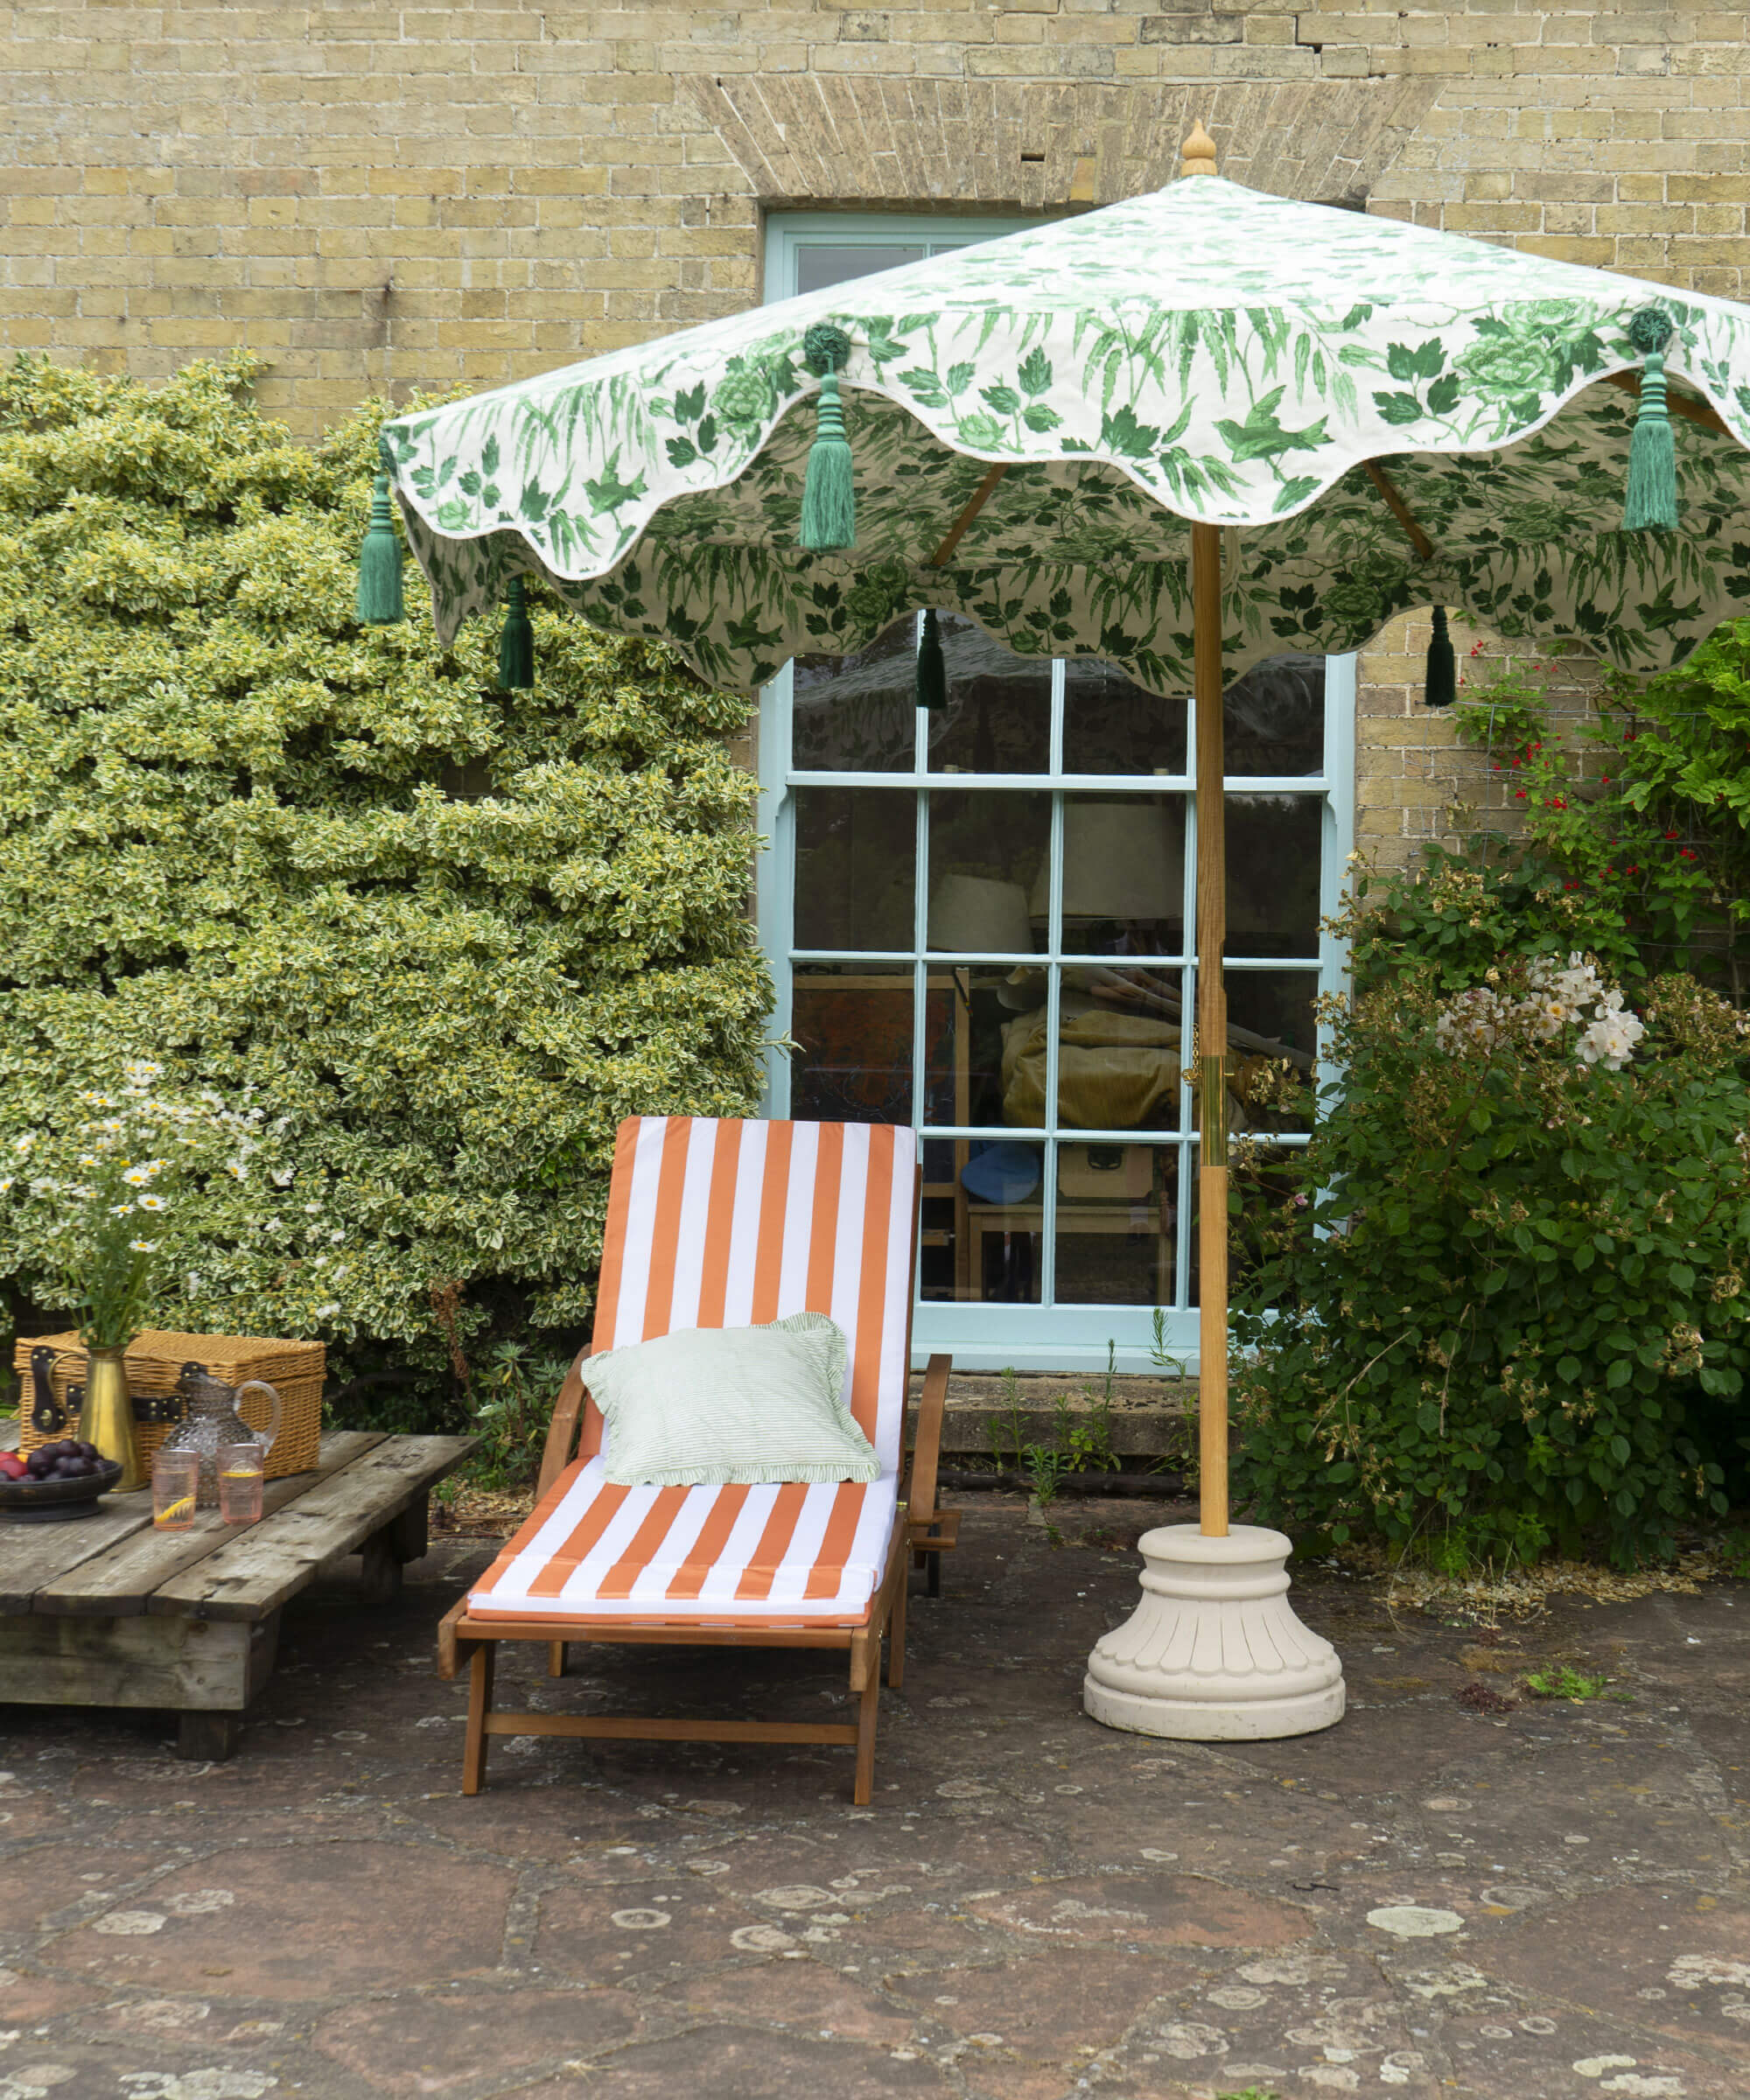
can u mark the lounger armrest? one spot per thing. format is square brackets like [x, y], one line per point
[926, 1451]
[561, 1431]
[452, 1650]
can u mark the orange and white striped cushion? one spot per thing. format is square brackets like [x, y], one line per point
[716, 1224]
[792, 1554]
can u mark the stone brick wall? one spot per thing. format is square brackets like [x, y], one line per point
[381, 198]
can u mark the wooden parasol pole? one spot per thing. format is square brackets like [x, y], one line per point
[1211, 994]
[1212, 1033]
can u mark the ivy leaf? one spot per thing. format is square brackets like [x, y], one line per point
[1398, 408]
[1035, 372]
[1037, 417]
[1121, 432]
[1004, 399]
[535, 500]
[960, 376]
[682, 451]
[926, 385]
[689, 406]
[489, 456]
[1443, 395]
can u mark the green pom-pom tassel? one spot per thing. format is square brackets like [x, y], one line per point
[932, 685]
[1440, 679]
[516, 642]
[829, 493]
[381, 602]
[1651, 501]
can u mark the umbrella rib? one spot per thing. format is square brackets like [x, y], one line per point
[981, 496]
[1400, 510]
[1678, 404]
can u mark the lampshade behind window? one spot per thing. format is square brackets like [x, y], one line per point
[1121, 859]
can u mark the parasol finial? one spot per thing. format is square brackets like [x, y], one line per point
[1199, 151]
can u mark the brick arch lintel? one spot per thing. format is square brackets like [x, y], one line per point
[803, 139]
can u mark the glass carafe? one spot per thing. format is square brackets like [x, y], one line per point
[211, 1418]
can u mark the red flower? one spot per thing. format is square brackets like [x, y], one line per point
[1519, 794]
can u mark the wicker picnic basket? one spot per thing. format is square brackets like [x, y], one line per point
[295, 1369]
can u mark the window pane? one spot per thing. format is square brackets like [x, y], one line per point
[988, 854]
[1111, 726]
[856, 867]
[821, 263]
[983, 1216]
[999, 714]
[1116, 1070]
[857, 713]
[968, 1010]
[1116, 1214]
[1273, 718]
[852, 1026]
[1273, 843]
[1276, 1009]
[1124, 875]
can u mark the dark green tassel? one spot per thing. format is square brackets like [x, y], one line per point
[515, 642]
[381, 602]
[1650, 501]
[829, 493]
[932, 683]
[1440, 679]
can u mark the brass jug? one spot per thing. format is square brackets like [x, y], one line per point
[106, 1416]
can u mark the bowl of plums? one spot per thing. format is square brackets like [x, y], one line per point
[55, 1482]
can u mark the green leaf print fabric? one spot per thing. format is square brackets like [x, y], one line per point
[1206, 353]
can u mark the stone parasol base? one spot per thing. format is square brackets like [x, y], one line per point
[1214, 1653]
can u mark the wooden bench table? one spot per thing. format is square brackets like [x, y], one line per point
[107, 1611]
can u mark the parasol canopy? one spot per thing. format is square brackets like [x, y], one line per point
[1396, 416]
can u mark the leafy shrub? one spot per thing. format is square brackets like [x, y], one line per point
[1505, 1307]
[445, 936]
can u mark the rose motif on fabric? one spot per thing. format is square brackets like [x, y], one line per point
[742, 396]
[1353, 602]
[1509, 367]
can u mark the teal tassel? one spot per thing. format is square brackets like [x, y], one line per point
[829, 493]
[1440, 680]
[932, 681]
[381, 602]
[1651, 501]
[515, 642]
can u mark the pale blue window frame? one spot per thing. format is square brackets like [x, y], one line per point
[1048, 1336]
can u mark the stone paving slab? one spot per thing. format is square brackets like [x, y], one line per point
[1547, 1902]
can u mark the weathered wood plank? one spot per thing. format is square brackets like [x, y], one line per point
[258, 1569]
[135, 1661]
[118, 1581]
[32, 1556]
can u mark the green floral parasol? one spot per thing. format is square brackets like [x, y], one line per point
[1393, 416]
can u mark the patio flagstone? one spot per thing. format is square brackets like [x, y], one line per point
[1547, 1902]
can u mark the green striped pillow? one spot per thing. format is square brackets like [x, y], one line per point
[720, 1407]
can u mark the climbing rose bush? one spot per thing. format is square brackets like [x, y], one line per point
[435, 938]
[1502, 1305]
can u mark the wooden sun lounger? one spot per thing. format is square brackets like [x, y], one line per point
[715, 1224]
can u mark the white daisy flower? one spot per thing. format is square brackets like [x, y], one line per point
[150, 1203]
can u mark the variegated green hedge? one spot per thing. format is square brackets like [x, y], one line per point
[449, 935]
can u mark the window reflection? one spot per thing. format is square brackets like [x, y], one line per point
[1273, 843]
[999, 714]
[1273, 718]
[1110, 724]
[857, 713]
[856, 863]
[853, 1028]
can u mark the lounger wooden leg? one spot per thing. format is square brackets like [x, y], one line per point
[867, 1706]
[896, 1636]
[555, 1658]
[480, 1673]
